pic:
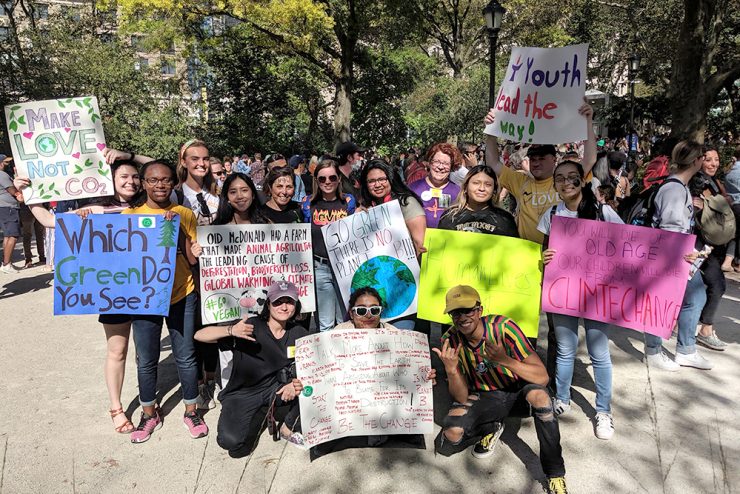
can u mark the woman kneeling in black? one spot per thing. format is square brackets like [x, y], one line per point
[263, 375]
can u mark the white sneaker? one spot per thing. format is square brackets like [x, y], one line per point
[661, 361]
[9, 269]
[693, 360]
[560, 407]
[205, 399]
[604, 426]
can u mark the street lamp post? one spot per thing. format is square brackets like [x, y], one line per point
[634, 66]
[493, 13]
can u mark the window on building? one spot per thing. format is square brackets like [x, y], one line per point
[3, 10]
[142, 63]
[4, 33]
[137, 43]
[40, 11]
[168, 67]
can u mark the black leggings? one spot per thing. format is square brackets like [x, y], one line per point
[714, 278]
[243, 413]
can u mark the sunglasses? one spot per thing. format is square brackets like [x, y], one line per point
[222, 172]
[282, 301]
[463, 312]
[374, 311]
[331, 178]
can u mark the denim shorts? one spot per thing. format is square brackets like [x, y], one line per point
[10, 222]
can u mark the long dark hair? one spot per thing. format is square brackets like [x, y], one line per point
[140, 198]
[225, 213]
[399, 190]
[365, 290]
[588, 208]
[326, 162]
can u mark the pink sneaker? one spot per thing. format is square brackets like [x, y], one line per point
[195, 424]
[146, 427]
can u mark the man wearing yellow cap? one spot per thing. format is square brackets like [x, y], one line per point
[490, 367]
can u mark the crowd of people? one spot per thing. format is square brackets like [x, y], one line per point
[489, 365]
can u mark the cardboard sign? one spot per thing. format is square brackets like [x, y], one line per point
[374, 248]
[239, 262]
[539, 98]
[364, 382]
[630, 276]
[506, 272]
[59, 144]
[114, 264]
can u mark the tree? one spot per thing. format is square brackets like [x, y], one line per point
[167, 236]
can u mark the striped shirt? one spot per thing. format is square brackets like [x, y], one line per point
[479, 372]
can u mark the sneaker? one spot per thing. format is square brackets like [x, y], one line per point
[693, 360]
[9, 269]
[661, 361]
[205, 397]
[146, 427]
[604, 425]
[195, 424]
[712, 342]
[296, 439]
[487, 446]
[556, 485]
[560, 407]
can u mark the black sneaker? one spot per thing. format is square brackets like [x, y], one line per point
[486, 446]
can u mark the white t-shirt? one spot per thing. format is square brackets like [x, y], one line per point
[610, 216]
[190, 201]
[458, 176]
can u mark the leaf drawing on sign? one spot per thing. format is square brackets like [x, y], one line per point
[167, 235]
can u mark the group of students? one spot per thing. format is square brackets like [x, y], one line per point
[490, 365]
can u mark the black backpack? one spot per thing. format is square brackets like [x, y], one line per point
[640, 210]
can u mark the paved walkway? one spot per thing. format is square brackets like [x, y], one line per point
[674, 432]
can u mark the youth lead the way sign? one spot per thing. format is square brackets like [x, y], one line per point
[539, 97]
[59, 144]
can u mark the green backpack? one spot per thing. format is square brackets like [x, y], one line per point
[717, 221]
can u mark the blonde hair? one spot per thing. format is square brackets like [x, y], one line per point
[684, 154]
[182, 173]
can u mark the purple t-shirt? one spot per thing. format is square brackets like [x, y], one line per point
[435, 201]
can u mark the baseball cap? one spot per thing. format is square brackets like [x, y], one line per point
[296, 160]
[279, 289]
[347, 148]
[541, 150]
[461, 297]
[2, 157]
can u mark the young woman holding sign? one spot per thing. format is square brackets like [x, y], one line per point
[578, 201]
[158, 178]
[126, 184]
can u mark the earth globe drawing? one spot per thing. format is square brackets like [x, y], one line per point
[393, 280]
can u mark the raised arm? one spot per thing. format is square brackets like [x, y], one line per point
[589, 147]
[492, 157]
[112, 155]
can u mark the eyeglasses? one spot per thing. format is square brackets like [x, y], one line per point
[573, 179]
[463, 312]
[222, 172]
[361, 311]
[156, 181]
[379, 181]
[441, 165]
[282, 301]
[331, 178]
[204, 209]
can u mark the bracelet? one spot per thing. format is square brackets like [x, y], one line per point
[229, 329]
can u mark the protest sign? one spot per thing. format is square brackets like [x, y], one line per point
[114, 264]
[360, 382]
[58, 144]
[374, 248]
[239, 262]
[505, 271]
[630, 276]
[540, 95]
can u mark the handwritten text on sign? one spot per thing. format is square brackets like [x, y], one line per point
[374, 248]
[364, 382]
[239, 262]
[630, 276]
[59, 144]
[114, 264]
[505, 271]
[539, 97]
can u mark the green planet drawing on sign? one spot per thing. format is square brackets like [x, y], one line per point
[392, 278]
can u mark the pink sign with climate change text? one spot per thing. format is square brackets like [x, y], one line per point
[629, 276]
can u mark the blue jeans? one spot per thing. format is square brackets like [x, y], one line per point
[693, 303]
[147, 336]
[330, 308]
[597, 342]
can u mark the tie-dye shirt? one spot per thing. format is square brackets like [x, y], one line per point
[479, 372]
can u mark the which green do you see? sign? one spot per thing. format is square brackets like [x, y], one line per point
[506, 271]
[58, 144]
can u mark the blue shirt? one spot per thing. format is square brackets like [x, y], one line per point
[732, 183]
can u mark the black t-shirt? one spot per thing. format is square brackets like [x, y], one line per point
[257, 363]
[292, 214]
[494, 221]
[322, 213]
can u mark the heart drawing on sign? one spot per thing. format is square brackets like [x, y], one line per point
[76, 155]
[28, 135]
[67, 129]
[100, 146]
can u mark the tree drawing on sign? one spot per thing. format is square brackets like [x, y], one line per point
[167, 239]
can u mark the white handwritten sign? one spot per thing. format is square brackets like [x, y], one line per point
[360, 382]
[374, 248]
[59, 144]
[239, 262]
[539, 97]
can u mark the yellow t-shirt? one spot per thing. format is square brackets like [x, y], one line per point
[533, 198]
[184, 283]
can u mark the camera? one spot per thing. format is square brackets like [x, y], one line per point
[286, 374]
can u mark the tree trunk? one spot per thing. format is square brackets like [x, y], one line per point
[343, 110]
